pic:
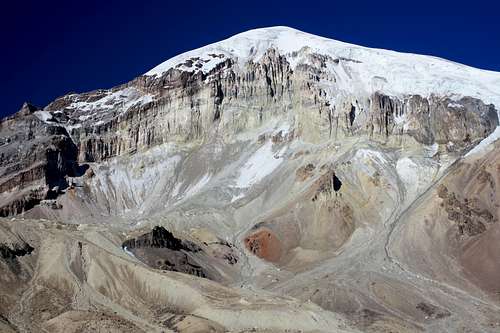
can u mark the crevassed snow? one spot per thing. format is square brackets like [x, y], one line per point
[262, 163]
[402, 73]
[206, 63]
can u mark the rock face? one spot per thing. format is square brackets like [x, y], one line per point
[434, 119]
[311, 184]
[159, 237]
[202, 97]
[10, 253]
[160, 249]
[18, 250]
[190, 106]
[37, 157]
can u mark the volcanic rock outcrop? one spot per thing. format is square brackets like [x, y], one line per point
[161, 250]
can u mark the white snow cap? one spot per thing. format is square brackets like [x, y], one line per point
[393, 73]
[389, 71]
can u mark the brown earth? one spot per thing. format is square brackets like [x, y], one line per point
[264, 244]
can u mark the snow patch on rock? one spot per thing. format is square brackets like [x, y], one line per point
[124, 99]
[455, 105]
[192, 190]
[128, 252]
[415, 175]
[366, 159]
[44, 116]
[261, 164]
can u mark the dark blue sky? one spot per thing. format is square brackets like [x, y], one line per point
[50, 48]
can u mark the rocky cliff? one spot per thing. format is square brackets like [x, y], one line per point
[214, 93]
[274, 163]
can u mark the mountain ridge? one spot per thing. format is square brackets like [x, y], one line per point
[312, 190]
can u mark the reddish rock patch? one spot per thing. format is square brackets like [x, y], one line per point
[264, 244]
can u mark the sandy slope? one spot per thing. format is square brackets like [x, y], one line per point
[371, 257]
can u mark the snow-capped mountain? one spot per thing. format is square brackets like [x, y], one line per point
[355, 68]
[359, 183]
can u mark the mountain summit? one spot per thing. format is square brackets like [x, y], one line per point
[370, 69]
[274, 181]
